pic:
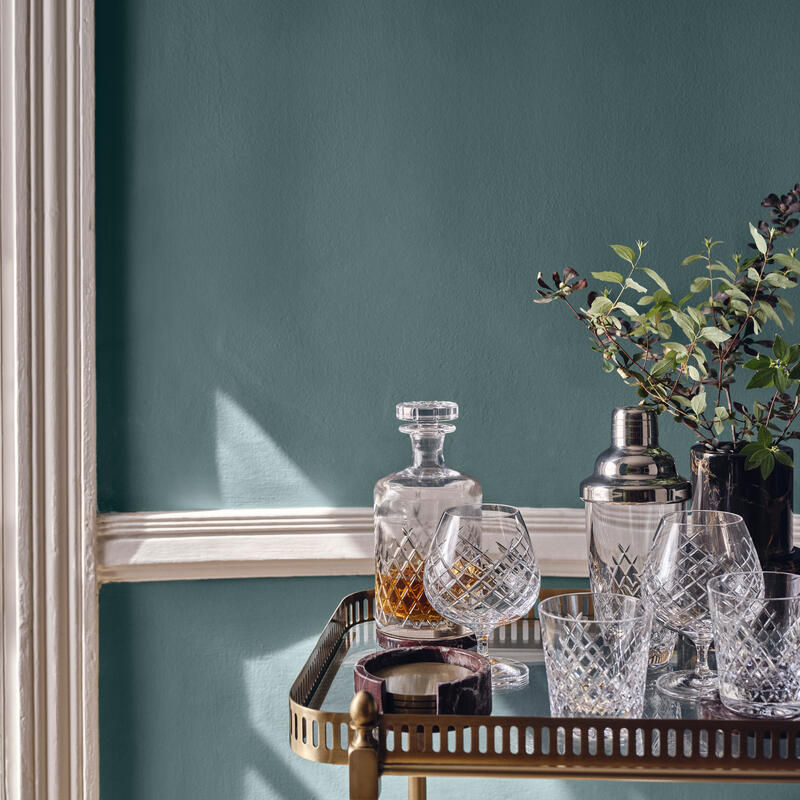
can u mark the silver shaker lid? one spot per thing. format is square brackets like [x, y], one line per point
[635, 469]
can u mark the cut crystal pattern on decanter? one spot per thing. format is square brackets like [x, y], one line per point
[408, 506]
[757, 636]
[595, 667]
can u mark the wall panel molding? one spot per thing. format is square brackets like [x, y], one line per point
[151, 546]
[158, 546]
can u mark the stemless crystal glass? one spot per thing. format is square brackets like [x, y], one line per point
[690, 548]
[756, 620]
[481, 573]
[595, 653]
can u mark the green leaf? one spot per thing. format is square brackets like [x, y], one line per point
[780, 280]
[753, 274]
[698, 316]
[751, 448]
[787, 261]
[630, 283]
[664, 329]
[733, 291]
[795, 373]
[608, 276]
[691, 259]
[788, 310]
[764, 436]
[624, 252]
[739, 306]
[780, 348]
[760, 379]
[629, 310]
[719, 426]
[769, 312]
[767, 465]
[653, 275]
[759, 362]
[720, 412]
[699, 403]
[714, 335]
[761, 243]
[718, 266]
[781, 379]
[600, 306]
[667, 364]
[684, 322]
[676, 347]
[784, 458]
[543, 299]
[644, 301]
[608, 365]
[694, 373]
[698, 284]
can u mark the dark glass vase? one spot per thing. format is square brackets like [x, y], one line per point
[720, 482]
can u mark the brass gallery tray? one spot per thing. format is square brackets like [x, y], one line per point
[674, 741]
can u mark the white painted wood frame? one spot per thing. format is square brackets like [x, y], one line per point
[47, 471]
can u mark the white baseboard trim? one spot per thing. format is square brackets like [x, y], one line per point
[159, 546]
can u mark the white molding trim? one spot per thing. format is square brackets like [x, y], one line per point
[47, 483]
[153, 546]
[159, 546]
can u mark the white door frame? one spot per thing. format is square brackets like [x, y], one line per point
[48, 579]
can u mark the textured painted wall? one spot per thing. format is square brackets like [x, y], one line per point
[194, 681]
[308, 211]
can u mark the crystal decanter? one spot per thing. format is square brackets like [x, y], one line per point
[408, 506]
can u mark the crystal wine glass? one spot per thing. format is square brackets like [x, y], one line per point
[481, 572]
[690, 548]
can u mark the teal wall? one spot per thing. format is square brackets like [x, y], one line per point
[194, 681]
[308, 211]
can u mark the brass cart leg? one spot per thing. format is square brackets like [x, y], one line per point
[362, 755]
[417, 789]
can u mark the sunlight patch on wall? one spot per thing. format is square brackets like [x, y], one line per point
[253, 470]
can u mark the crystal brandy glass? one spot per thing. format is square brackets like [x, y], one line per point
[481, 573]
[690, 548]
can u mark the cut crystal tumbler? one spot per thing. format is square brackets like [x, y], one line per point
[756, 621]
[595, 654]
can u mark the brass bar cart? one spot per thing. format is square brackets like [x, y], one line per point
[519, 739]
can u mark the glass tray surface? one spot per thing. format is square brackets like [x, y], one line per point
[674, 740]
[520, 641]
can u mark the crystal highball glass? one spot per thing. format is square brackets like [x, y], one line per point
[595, 653]
[756, 622]
[690, 548]
[481, 572]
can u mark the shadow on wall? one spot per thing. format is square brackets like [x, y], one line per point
[251, 464]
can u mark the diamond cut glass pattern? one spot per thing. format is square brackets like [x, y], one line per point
[595, 649]
[481, 572]
[690, 548]
[756, 623]
[619, 536]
